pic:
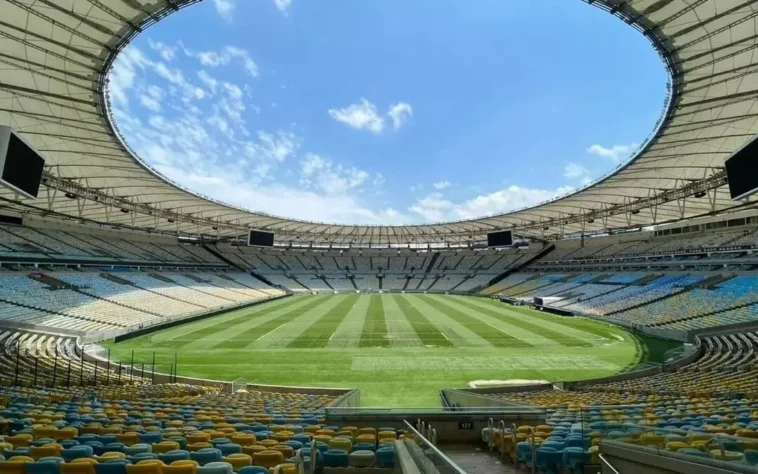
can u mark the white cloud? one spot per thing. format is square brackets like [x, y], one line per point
[123, 74]
[283, 6]
[400, 113]
[225, 56]
[209, 81]
[435, 207]
[416, 187]
[362, 116]
[151, 98]
[440, 185]
[615, 153]
[323, 174]
[166, 52]
[379, 179]
[225, 8]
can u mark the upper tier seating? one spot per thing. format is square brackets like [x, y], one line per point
[28, 242]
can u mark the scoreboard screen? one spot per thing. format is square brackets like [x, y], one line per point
[500, 239]
[260, 239]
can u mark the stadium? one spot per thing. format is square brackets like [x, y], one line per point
[146, 328]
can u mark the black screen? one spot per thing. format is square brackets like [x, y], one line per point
[261, 239]
[500, 239]
[742, 170]
[23, 166]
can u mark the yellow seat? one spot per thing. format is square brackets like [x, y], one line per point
[45, 432]
[238, 460]
[340, 443]
[199, 437]
[20, 440]
[268, 443]
[252, 449]
[268, 458]
[676, 445]
[282, 436]
[393, 435]
[12, 467]
[286, 468]
[179, 469]
[371, 431]
[243, 439]
[107, 456]
[37, 452]
[352, 429]
[128, 438]
[165, 446]
[184, 462]
[287, 451]
[198, 446]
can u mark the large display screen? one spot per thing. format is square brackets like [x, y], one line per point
[21, 166]
[260, 239]
[742, 171]
[500, 239]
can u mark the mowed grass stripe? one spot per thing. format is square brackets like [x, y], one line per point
[374, 332]
[576, 323]
[491, 334]
[429, 334]
[223, 324]
[318, 333]
[555, 336]
[246, 337]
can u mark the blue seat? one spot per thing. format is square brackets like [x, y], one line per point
[138, 449]
[253, 470]
[9, 453]
[385, 457]
[548, 460]
[114, 447]
[751, 457]
[335, 458]
[135, 458]
[76, 452]
[206, 455]
[524, 453]
[174, 455]
[229, 448]
[42, 467]
[215, 468]
[574, 458]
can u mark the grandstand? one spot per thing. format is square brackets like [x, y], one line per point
[651, 274]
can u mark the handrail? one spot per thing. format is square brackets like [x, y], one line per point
[607, 463]
[456, 469]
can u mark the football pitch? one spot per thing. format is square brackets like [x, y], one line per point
[399, 349]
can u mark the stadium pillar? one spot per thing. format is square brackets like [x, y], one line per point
[131, 365]
[18, 357]
[95, 373]
[176, 365]
[55, 367]
[108, 368]
[143, 371]
[68, 377]
[36, 365]
[81, 368]
[152, 378]
[119, 373]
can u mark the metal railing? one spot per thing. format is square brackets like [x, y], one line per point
[422, 447]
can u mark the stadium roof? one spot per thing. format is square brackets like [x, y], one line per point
[56, 54]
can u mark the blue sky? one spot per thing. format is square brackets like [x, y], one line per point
[386, 111]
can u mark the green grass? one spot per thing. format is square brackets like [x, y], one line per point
[400, 350]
